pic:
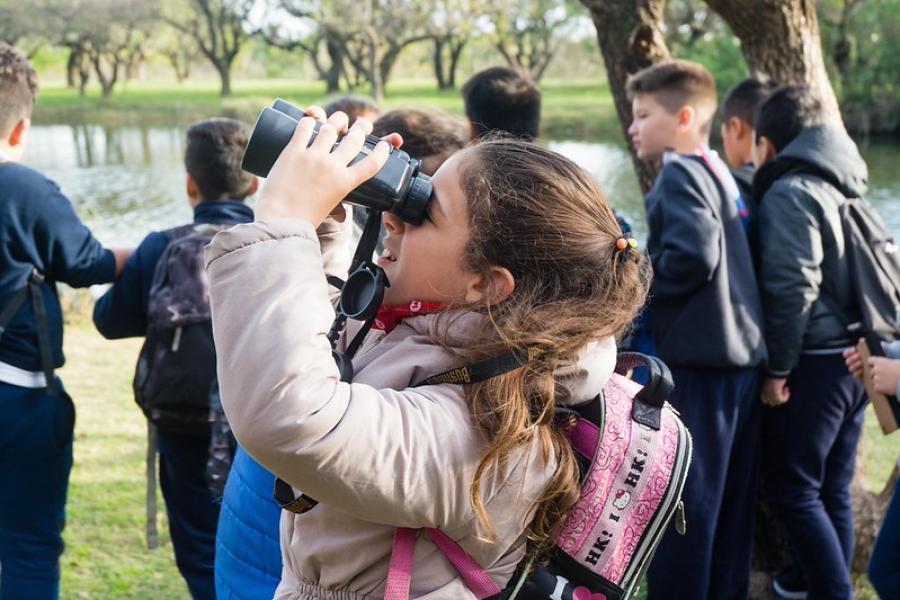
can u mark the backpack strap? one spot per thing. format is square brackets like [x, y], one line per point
[649, 402]
[400, 569]
[33, 286]
[480, 371]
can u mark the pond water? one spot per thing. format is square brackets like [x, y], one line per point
[126, 181]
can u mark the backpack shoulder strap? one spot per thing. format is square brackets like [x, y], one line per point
[33, 287]
[400, 569]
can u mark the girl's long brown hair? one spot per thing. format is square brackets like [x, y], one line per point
[548, 222]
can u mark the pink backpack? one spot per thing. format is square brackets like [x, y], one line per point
[635, 454]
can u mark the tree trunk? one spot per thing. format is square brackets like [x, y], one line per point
[438, 62]
[71, 68]
[780, 39]
[455, 52]
[224, 70]
[630, 39]
[336, 56]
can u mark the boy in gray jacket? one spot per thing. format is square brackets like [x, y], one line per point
[814, 413]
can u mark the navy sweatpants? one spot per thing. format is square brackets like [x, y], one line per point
[35, 461]
[192, 510]
[712, 560]
[808, 458]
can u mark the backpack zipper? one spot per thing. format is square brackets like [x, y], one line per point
[664, 513]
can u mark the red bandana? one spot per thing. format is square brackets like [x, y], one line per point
[390, 316]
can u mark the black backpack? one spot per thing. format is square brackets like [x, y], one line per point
[177, 364]
[874, 268]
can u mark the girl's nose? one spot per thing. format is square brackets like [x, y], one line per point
[393, 223]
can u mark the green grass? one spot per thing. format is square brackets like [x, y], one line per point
[106, 554]
[571, 109]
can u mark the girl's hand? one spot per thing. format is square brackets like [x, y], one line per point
[308, 181]
[853, 361]
[885, 374]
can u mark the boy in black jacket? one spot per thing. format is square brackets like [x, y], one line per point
[815, 407]
[707, 326]
[42, 242]
[216, 188]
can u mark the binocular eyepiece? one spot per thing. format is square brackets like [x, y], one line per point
[398, 187]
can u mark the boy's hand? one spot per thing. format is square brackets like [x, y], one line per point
[853, 361]
[885, 374]
[308, 181]
[775, 391]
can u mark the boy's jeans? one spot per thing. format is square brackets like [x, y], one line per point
[35, 460]
[193, 511]
[809, 454]
[720, 408]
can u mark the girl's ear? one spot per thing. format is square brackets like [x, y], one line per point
[494, 287]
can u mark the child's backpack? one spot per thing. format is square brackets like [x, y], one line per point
[634, 452]
[177, 363]
[874, 268]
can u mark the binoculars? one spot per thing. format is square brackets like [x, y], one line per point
[398, 187]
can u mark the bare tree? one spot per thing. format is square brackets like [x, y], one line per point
[451, 24]
[19, 27]
[529, 33]
[115, 48]
[218, 28]
[321, 42]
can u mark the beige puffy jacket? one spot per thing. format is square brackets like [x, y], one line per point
[376, 454]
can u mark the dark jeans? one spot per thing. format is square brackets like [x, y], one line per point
[193, 512]
[35, 460]
[884, 567]
[809, 453]
[712, 561]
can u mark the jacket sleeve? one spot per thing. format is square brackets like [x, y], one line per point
[71, 253]
[790, 271]
[378, 454]
[689, 247]
[122, 311]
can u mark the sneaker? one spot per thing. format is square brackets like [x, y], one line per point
[790, 585]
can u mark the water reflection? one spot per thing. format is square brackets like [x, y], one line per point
[127, 181]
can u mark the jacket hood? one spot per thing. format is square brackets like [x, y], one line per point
[577, 382]
[823, 150]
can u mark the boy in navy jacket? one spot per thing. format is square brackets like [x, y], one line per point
[216, 188]
[42, 242]
[707, 326]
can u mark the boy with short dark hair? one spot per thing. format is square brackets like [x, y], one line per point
[806, 170]
[354, 107]
[738, 127]
[738, 138]
[430, 136]
[216, 189]
[707, 326]
[42, 242]
[502, 100]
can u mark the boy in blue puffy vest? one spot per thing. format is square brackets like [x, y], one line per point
[216, 188]
[42, 242]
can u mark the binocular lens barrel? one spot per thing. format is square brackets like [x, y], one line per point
[398, 186]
